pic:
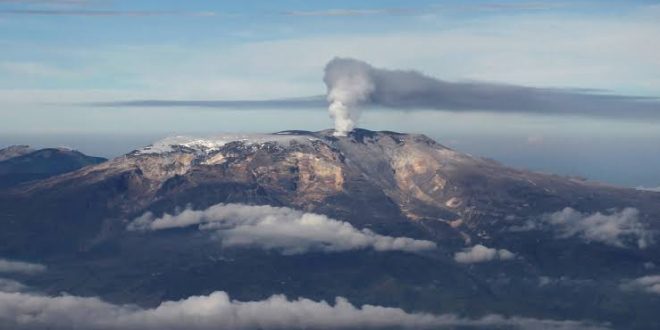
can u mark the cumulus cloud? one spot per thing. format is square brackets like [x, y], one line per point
[649, 284]
[616, 229]
[480, 253]
[279, 228]
[219, 311]
[8, 266]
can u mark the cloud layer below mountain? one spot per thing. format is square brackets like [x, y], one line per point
[279, 228]
[218, 311]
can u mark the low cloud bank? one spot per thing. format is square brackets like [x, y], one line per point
[219, 311]
[649, 284]
[8, 266]
[480, 253]
[279, 228]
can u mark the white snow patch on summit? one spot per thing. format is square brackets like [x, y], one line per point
[207, 145]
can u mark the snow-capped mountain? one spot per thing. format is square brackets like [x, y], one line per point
[379, 217]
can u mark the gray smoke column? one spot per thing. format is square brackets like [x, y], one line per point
[353, 84]
[349, 84]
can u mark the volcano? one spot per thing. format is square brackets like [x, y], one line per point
[495, 239]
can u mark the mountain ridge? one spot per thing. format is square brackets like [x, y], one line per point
[20, 164]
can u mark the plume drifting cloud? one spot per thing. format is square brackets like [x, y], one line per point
[480, 253]
[279, 228]
[218, 311]
[352, 84]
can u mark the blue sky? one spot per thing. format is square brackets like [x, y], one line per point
[58, 55]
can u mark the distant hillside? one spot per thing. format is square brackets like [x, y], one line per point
[20, 164]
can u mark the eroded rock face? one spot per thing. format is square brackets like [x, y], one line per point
[318, 177]
[423, 179]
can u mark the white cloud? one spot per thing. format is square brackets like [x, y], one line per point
[616, 228]
[32, 69]
[517, 49]
[7, 285]
[649, 284]
[8, 266]
[347, 12]
[480, 253]
[653, 189]
[279, 228]
[218, 311]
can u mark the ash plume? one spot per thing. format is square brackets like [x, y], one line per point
[353, 84]
[349, 84]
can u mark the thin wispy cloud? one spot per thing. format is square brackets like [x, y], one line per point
[8, 285]
[103, 13]
[50, 2]
[12, 266]
[649, 284]
[652, 189]
[355, 12]
[412, 11]
[288, 103]
[618, 228]
[505, 6]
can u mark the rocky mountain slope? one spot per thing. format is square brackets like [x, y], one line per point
[504, 240]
